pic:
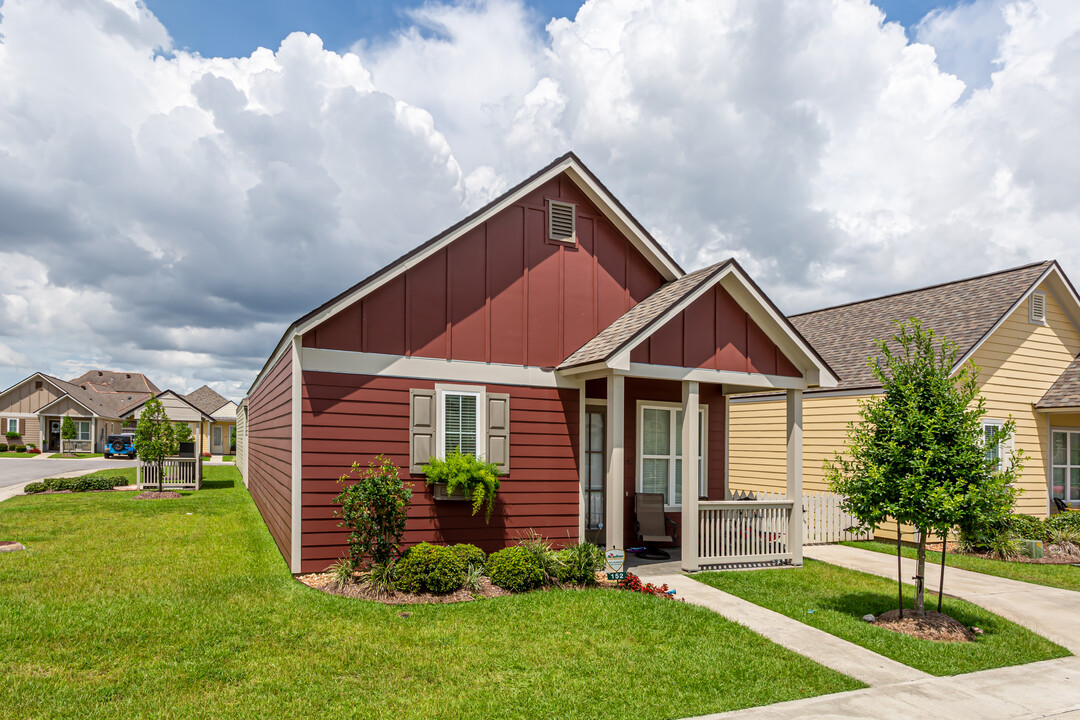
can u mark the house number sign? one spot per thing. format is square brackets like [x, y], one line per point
[616, 560]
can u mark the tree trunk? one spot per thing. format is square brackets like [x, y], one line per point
[941, 577]
[920, 575]
[899, 573]
[160, 476]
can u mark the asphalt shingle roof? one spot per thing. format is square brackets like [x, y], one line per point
[616, 335]
[206, 399]
[1065, 392]
[962, 311]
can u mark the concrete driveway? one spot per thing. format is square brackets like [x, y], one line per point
[16, 471]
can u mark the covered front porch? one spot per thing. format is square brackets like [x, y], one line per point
[654, 390]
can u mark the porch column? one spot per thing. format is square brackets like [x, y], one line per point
[690, 483]
[794, 474]
[615, 495]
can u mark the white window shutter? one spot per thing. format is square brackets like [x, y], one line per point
[498, 431]
[423, 428]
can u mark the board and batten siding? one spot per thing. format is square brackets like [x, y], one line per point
[269, 452]
[502, 292]
[24, 399]
[1019, 363]
[353, 418]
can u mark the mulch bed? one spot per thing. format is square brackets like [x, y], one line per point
[933, 626]
[10, 546]
[326, 583]
[155, 495]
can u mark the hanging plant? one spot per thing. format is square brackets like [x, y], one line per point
[478, 480]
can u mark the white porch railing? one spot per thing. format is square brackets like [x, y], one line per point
[732, 531]
[180, 474]
[824, 518]
[76, 446]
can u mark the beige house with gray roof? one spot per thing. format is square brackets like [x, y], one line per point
[1021, 327]
[210, 416]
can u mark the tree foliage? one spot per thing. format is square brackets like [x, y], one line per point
[67, 429]
[155, 437]
[918, 454]
[374, 509]
[183, 432]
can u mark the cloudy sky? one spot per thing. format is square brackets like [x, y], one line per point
[180, 179]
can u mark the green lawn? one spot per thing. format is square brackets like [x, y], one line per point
[228, 458]
[12, 453]
[1059, 576]
[840, 597]
[184, 608]
[77, 455]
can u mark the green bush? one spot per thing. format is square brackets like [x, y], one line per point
[579, 563]
[469, 554]
[515, 569]
[430, 568]
[374, 509]
[1064, 521]
[1029, 527]
[35, 487]
[20, 448]
[79, 484]
[119, 480]
[3, 447]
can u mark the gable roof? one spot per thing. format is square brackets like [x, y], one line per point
[100, 404]
[570, 164]
[206, 399]
[132, 407]
[1065, 392]
[964, 311]
[117, 382]
[614, 343]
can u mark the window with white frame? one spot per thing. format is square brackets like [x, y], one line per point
[459, 422]
[1065, 465]
[83, 428]
[994, 451]
[660, 453]
[12, 425]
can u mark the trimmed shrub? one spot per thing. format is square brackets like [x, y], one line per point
[1064, 521]
[1029, 527]
[515, 569]
[119, 480]
[579, 563]
[34, 487]
[469, 554]
[3, 447]
[79, 484]
[20, 448]
[430, 568]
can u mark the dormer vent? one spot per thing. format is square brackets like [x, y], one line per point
[1037, 308]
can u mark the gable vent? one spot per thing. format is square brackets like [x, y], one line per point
[1037, 313]
[561, 221]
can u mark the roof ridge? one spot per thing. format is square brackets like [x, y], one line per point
[923, 289]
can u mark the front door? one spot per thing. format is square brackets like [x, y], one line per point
[54, 435]
[595, 436]
[216, 441]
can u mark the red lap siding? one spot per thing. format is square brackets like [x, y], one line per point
[270, 452]
[351, 418]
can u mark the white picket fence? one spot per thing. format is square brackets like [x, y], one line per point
[180, 474]
[824, 520]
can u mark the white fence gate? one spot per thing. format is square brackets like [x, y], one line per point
[824, 521]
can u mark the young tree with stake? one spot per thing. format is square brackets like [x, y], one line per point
[155, 437]
[919, 453]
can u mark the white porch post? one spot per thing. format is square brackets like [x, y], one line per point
[614, 497]
[690, 483]
[794, 474]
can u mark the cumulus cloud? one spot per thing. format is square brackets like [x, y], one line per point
[171, 213]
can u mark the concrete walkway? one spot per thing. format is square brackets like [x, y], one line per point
[818, 645]
[1049, 689]
[1051, 612]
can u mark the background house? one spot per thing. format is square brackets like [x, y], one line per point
[550, 333]
[1020, 326]
[210, 416]
[35, 407]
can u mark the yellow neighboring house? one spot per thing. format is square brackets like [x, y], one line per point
[1020, 326]
[210, 416]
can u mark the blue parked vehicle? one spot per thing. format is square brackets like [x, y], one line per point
[120, 445]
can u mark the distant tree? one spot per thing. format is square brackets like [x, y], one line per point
[67, 430]
[155, 437]
[183, 433]
[919, 453]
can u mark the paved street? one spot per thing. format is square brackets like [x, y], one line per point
[15, 471]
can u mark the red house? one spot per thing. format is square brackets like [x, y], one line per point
[551, 333]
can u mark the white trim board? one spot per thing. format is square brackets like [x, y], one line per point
[357, 363]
